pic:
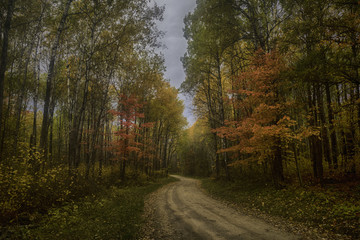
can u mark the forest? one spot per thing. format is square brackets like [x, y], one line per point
[275, 87]
[84, 102]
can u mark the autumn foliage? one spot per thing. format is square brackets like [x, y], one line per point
[264, 124]
[126, 117]
[79, 88]
[127, 138]
[278, 87]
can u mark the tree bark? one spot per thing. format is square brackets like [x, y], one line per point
[50, 76]
[277, 164]
[164, 163]
[323, 130]
[297, 164]
[334, 148]
[222, 116]
[4, 52]
[315, 142]
[35, 99]
[20, 103]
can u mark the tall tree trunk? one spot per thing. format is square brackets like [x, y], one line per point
[318, 144]
[209, 97]
[22, 96]
[60, 136]
[20, 103]
[108, 140]
[217, 157]
[4, 52]
[36, 97]
[102, 152]
[158, 132]
[87, 149]
[350, 134]
[315, 142]
[126, 155]
[51, 137]
[77, 126]
[50, 76]
[334, 149]
[5, 123]
[8, 112]
[277, 163]
[99, 125]
[296, 156]
[357, 89]
[343, 149]
[323, 130]
[164, 163]
[222, 115]
[354, 63]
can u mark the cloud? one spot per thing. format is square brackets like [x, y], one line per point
[173, 24]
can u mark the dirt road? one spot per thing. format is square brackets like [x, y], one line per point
[181, 210]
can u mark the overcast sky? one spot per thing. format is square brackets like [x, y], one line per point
[173, 24]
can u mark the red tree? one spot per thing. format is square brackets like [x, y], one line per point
[125, 142]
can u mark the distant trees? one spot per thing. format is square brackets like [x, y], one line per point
[195, 151]
[277, 82]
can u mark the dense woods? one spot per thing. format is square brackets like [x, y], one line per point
[83, 100]
[84, 104]
[276, 89]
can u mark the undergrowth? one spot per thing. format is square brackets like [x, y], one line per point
[114, 213]
[335, 208]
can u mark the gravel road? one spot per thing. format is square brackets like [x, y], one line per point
[181, 210]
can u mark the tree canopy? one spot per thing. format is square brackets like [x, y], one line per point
[83, 96]
[277, 83]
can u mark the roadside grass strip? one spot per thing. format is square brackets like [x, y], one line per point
[114, 214]
[328, 208]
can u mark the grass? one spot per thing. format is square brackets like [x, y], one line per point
[116, 213]
[335, 208]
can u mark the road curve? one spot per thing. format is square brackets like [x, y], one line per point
[182, 211]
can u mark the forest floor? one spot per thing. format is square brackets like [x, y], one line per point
[115, 213]
[182, 210]
[313, 212]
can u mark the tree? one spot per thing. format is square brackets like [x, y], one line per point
[127, 114]
[261, 132]
[210, 32]
[4, 54]
[195, 150]
[166, 114]
[50, 76]
[272, 112]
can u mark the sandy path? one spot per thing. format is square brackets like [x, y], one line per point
[182, 211]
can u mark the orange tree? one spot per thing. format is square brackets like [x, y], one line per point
[264, 126]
